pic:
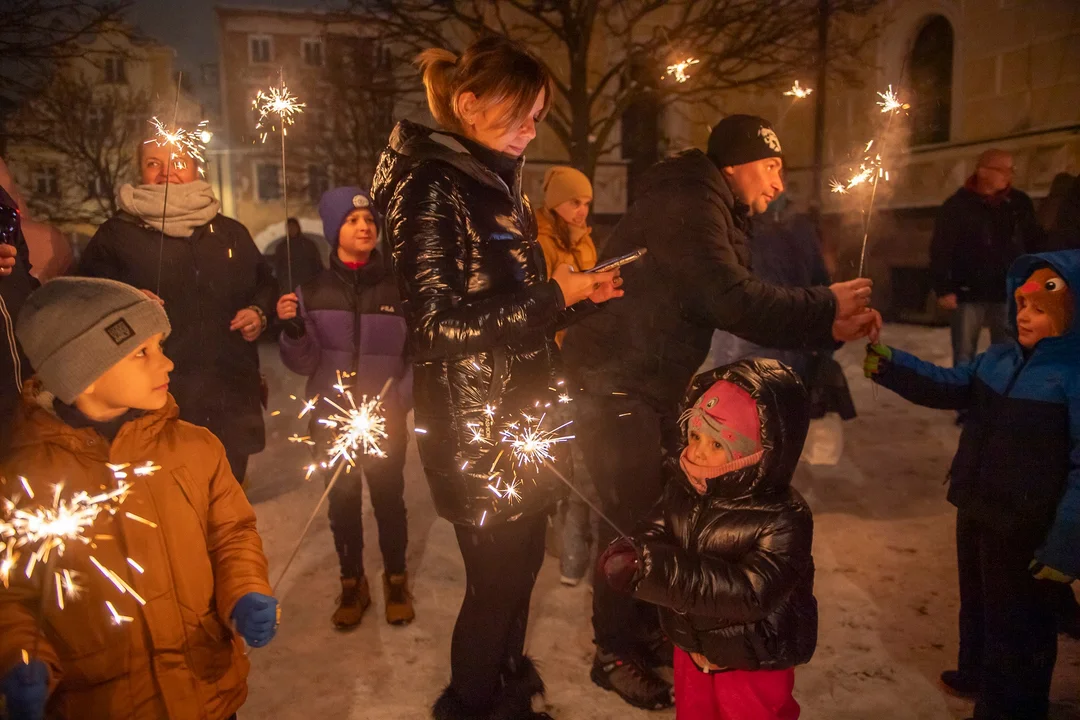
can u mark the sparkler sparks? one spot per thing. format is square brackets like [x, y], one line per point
[678, 70]
[276, 101]
[47, 532]
[890, 102]
[190, 143]
[798, 92]
[530, 444]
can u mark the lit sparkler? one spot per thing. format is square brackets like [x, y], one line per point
[281, 102]
[529, 443]
[798, 92]
[890, 102]
[190, 143]
[358, 428]
[678, 70]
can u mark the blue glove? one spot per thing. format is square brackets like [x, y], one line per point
[26, 688]
[256, 618]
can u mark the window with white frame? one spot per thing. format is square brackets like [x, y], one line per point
[268, 182]
[95, 119]
[46, 182]
[312, 50]
[97, 188]
[260, 48]
[115, 70]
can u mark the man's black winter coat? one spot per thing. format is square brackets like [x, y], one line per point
[14, 289]
[695, 279]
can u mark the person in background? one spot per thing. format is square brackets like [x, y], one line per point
[1065, 230]
[978, 233]
[306, 259]
[16, 284]
[348, 319]
[50, 252]
[172, 646]
[216, 287]
[565, 236]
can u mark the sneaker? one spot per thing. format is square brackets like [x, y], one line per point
[632, 680]
[354, 600]
[959, 684]
[399, 606]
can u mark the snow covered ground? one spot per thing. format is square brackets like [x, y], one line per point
[886, 584]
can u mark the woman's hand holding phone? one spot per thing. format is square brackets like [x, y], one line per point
[576, 286]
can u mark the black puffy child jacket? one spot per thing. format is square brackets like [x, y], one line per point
[732, 569]
[481, 317]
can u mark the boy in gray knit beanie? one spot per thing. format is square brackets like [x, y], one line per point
[97, 344]
[186, 538]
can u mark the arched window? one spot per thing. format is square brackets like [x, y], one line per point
[931, 82]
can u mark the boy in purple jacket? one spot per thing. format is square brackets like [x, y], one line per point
[348, 319]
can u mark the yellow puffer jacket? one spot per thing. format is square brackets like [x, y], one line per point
[177, 658]
[582, 254]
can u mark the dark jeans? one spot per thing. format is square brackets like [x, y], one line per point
[238, 463]
[1008, 628]
[622, 440]
[386, 484]
[501, 563]
[968, 320]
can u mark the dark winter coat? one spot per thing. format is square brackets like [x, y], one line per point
[481, 317]
[695, 279]
[205, 280]
[352, 322]
[975, 241]
[306, 262]
[1017, 468]
[14, 367]
[732, 569]
[1065, 235]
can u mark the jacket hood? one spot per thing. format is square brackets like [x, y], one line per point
[37, 423]
[1067, 264]
[412, 144]
[689, 167]
[784, 410]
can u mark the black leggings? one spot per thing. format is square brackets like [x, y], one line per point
[501, 564]
[386, 484]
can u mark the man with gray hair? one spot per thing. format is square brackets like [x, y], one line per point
[979, 231]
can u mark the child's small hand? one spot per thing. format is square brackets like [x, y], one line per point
[619, 564]
[287, 306]
[874, 355]
[25, 689]
[256, 618]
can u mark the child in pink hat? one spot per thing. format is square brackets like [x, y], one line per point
[727, 555]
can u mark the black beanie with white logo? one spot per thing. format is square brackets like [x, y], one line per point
[741, 139]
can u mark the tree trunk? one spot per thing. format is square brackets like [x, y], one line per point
[819, 105]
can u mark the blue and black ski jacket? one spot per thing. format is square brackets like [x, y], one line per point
[1017, 468]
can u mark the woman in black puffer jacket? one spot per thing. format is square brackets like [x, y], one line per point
[727, 555]
[481, 316]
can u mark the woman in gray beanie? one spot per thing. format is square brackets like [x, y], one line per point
[217, 288]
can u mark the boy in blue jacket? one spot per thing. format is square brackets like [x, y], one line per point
[1015, 481]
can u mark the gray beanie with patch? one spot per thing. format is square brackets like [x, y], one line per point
[74, 329]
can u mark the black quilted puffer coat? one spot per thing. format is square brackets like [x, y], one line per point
[732, 569]
[481, 317]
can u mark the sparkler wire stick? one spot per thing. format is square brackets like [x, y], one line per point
[342, 463]
[168, 174]
[285, 198]
[584, 499]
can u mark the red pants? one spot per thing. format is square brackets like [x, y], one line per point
[732, 695]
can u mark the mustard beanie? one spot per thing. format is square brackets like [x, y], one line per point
[562, 183]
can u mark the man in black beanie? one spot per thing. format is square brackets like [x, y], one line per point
[633, 360]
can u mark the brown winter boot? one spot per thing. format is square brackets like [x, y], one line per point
[399, 607]
[354, 600]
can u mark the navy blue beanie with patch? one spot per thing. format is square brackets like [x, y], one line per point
[335, 205]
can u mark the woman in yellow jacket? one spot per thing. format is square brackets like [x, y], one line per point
[561, 224]
[566, 237]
